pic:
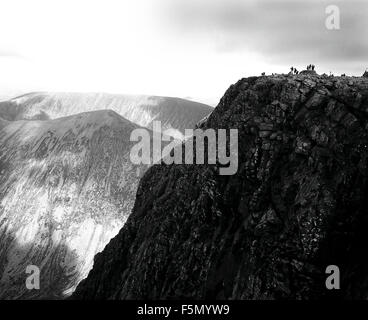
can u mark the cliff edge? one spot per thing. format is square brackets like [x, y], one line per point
[297, 203]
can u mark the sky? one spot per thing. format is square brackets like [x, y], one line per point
[184, 48]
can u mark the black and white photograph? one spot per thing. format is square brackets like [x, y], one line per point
[211, 151]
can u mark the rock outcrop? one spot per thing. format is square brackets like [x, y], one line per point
[297, 203]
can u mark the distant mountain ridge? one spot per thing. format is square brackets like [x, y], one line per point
[175, 114]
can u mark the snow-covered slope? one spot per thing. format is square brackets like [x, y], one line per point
[3, 123]
[66, 188]
[175, 114]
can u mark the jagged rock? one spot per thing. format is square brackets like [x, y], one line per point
[296, 204]
[365, 74]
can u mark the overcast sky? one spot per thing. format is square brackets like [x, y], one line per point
[186, 48]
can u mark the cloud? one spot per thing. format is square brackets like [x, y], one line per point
[279, 30]
[11, 54]
[177, 48]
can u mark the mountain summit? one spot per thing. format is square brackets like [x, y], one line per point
[297, 204]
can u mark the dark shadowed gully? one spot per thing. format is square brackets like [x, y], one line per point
[297, 203]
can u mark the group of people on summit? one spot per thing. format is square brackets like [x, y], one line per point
[310, 67]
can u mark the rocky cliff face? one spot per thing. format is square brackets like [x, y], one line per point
[297, 203]
[67, 186]
[175, 114]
